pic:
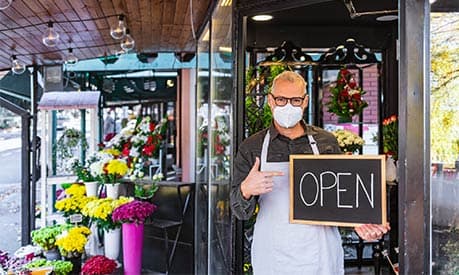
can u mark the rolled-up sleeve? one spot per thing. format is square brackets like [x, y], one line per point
[243, 209]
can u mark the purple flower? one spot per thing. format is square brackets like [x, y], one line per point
[133, 212]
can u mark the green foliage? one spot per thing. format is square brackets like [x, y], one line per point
[444, 116]
[68, 142]
[258, 85]
[145, 191]
[59, 267]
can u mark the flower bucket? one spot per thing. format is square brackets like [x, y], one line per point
[132, 248]
[76, 262]
[91, 188]
[93, 246]
[113, 190]
[112, 240]
[52, 254]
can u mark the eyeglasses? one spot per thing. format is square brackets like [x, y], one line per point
[282, 101]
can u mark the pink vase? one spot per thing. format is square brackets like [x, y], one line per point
[132, 248]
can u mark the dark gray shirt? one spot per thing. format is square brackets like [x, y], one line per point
[279, 150]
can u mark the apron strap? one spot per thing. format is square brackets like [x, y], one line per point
[313, 144]
[264, 150]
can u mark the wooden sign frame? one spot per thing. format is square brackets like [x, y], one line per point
[382, 181]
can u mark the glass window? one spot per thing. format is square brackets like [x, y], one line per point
[444, 147]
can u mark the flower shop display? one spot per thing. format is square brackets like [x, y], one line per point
[45, 237]
[348, 141]
[67, 146]
[71, 244]
[100, 213]
[133, 216]
[99, 265]
[346, 97]
[14, 264]
[58, 267]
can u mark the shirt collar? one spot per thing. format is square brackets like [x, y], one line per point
[308, 130]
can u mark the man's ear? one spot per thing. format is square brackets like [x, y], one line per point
[271, 102]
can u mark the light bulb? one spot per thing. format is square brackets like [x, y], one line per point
[71, 58]
[16, 66]
[4, 4]
[128, 42]
[119, 31]
[50, 37]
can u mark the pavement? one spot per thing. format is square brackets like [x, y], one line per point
[10, 189]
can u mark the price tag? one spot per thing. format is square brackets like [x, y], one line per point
[76, 218]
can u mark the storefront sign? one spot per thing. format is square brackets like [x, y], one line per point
[342, 190]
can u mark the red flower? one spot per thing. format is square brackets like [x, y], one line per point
[149, 139]
[148, 150]
[98, 265]
[126, 149]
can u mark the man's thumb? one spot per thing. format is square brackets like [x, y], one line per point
[256, 165]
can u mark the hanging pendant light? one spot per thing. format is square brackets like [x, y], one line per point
[50, 37]
[119, 31]
[128, 42]
[71, 58]
[16, 66]
[4, 4]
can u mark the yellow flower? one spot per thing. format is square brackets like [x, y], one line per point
[74, 204]
[76, 190]
[73, 241]
[117, 167]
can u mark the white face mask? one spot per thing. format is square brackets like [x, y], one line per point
[287, 116]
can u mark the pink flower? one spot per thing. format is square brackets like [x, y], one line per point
[133, 212]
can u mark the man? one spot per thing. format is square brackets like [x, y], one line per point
[262, 174]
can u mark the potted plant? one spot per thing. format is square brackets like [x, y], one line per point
[100, 213]
[109, 168]
[84, 175]
[133, 215]
[98, 265]
[45, 237]
[71, 244]
[74, 202]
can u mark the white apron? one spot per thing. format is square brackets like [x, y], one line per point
[279, 247]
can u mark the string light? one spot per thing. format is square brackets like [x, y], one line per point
[50, 37]
[16, 66]
[119, 31]
[128, 42]
[71, 58]
[4, 4]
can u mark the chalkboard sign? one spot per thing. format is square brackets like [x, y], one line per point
[341, 190]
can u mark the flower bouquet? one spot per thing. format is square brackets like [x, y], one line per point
[108, 166]
[100, 211]
[71, 242]
[390, 136]
[98, 265]
[45, 237]
[348, 141]
[74, 202]
[346, 97]
[133, 216]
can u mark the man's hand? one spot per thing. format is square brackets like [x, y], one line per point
[371, 232]
[258, 182]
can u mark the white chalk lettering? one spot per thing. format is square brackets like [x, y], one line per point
[339, 190]
[322, 187]
[358, 181]
[301, 188]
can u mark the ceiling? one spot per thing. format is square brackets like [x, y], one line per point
[155, 25]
